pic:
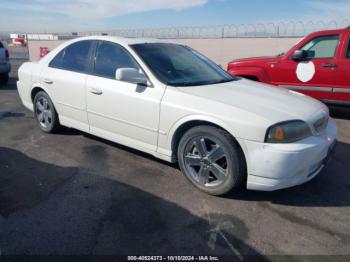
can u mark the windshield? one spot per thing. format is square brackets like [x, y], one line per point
[179, 65]
[282, 54]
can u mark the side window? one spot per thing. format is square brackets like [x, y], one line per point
[348, 52]
[322, 47]
[74, 57]
[110, 57]
[1, 46]
[57, 61]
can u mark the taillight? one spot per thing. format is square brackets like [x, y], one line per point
[7, 55]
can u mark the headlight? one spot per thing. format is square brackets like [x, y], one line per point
[287, 132]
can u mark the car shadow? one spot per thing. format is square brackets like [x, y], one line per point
[56, 210]
[11, 85]
[329, 189]
[131, 150]
[340, 112]
[10, 115]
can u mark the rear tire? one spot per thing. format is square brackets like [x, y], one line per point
[45, 113]
[211, 160]
[4, 78]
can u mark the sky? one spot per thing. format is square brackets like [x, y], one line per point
[85, 15]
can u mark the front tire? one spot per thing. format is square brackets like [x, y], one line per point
[4, 78]
[211, 160]
[45, 113]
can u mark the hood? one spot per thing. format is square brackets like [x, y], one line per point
[258, 58]
[273, 103]
[254, 59]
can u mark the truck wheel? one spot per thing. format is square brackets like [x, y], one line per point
[211, 160]
[4, 78]
[45, 113]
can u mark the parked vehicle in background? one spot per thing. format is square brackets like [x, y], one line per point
[172, 102]
[5, 66]
[43, 51]
[317, 66]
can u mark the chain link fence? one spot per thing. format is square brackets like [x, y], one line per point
[272, 29]
[276, 29]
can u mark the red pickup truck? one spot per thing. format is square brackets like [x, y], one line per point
[318, 66]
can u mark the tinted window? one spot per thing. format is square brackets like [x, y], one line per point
[75, 57]
[348, 52]
[180, 65]
[110, 57]
[322, 47]
[57, 61]
[1, 46]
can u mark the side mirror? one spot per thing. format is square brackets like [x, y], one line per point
[300, 55]
[131, 75]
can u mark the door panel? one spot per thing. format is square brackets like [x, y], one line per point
[342, 92]
[68, 95]
[318, 75]
[123, 112]
[65, 77]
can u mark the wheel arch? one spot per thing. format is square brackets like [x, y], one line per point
[36, 88]
[252, 72]
[182, 126]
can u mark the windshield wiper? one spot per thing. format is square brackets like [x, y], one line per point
[202, 83]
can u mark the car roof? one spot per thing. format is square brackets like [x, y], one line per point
[122, 40]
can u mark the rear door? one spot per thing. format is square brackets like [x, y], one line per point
[341, 93]
[65, 78]
[318, 74]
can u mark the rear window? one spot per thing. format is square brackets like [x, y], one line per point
[74, 57]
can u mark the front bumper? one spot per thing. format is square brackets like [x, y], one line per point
[5, 67]
[276, 166]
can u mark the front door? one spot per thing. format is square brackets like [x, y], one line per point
[119, 111]
[318, 74]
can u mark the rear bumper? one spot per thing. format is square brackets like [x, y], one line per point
[5, 67]
[24, 94]
[277, 166]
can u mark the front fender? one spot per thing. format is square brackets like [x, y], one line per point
[167, 147]
[203, 118]
[167, 143]
[257, 72]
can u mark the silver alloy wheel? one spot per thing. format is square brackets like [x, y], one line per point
[44, 113]
[206, 162]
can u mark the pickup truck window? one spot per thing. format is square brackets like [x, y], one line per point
[74, 57]
[322, 46]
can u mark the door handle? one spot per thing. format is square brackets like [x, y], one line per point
[48, 81]
[329, 65]
[96, 91]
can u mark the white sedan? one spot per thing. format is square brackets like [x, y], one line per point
[172, 102]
